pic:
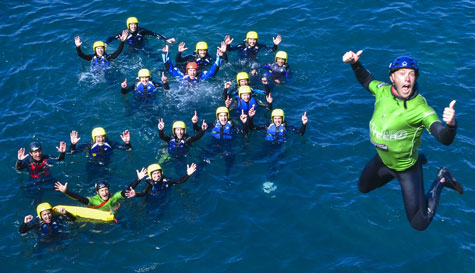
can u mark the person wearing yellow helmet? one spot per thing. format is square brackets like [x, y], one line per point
[49, 220]
[192, 74]
[277, 129]
[179, 141]
[99, 58]
[199, 56]
[242, 79]
[278, 71]
[158, 185]
[144, 87]
[400, 116]
[100, 148]
[38, 163]
[136, 34]
[224, 128]
[250, 47]
[103, 200]
[245, 101]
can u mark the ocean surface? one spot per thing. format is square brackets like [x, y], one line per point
[289, 208]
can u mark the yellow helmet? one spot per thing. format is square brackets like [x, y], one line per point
[144, 72]
[98, 131]
[252, 35]
[98, 44]
[222, 109]
[152, 168]
[277, 113]
[245, 89]
[201, 45]
[178, 124]
[242, 76]
[42, 207]
[282, 55]
[132, 20]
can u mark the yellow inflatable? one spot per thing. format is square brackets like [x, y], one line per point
[88, 213]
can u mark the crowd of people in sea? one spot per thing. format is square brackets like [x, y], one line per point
[400, 116]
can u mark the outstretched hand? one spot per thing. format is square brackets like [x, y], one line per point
[74, 137]
[351, 57]
[62, 147]
[223, 47]
[190, 169]
[165, 49]
[141, 174]
[164, 78]
[170, 41]
[227, 85]
[181, 47]
[21, 154]
[130, 192]
[28, 219]
[124, 35]
[228, 40]
[449, 114]
[77, 41]
[304, 118]
[277, 40]
[124, 84]
[243, 117]
[264, 81]
[161, 124]
[60, 187]
[269, 98]
[228, 102]
[125, 136]
[252, 111]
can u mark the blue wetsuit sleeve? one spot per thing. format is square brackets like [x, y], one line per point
[258, 91]
[213, 70]
[287, 72]
[170, 68]
[117, 52]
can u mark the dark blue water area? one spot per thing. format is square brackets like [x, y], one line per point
[289, 208]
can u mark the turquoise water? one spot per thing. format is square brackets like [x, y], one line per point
[296, 208]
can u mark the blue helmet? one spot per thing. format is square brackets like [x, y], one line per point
[403, 62]
[101, 184]
[35, 146]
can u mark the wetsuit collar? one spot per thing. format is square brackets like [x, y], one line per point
[396, 95]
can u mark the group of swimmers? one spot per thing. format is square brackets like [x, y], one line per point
[241, 100]
[400, 116]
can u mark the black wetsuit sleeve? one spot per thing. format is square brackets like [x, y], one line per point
[77, 197]
[151, 33]
[363, 75]
[125, 146]
[274, 47]
[21, 164]
[73, 148]
[178, 181]
[301, 131]
[82, 55]
[196, 137]
[444, 135]
[25, 227]
[128, 89]
[68, 216]
[112, 38]
[165, 85]
[163, 136]
[145, 192]
[180, 59]
[117, 52]
[132, 185]
[196, 128]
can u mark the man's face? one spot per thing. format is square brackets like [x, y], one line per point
[223, 118]
[144, 80]
[252, 42]
[277, 120]
[100, 51]
[100, 140]
[280, 61]
[156, 175]
[104, 193]
[191, 73]
[202, 52]
[179, 132]
[404, 80]
[246, 97]
[36, 155]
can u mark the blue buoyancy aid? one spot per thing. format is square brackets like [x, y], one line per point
[142, 91]
[177, 146]
[98, 151]
[242, 105]
[158, 187]
[278, 134]
[227, 131]
[99, 62]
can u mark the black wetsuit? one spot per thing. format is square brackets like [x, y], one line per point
[38, 169]
[136, 38]
[44, 229]
[180, 147]
[420, 208]
[156, 188]
[106, 57]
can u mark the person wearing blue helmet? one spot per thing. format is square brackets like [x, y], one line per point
[38, 163]
[400, 116]
[99, 58]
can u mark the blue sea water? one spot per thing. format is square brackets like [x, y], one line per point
[294, 208]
